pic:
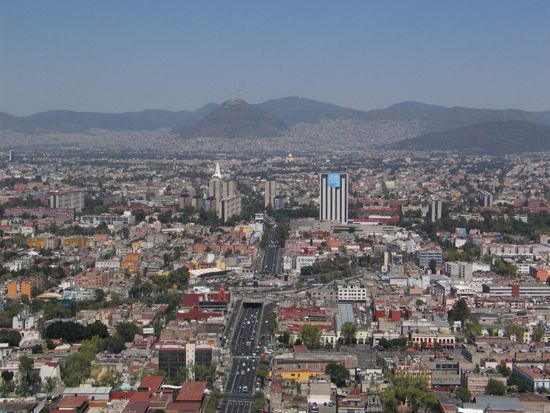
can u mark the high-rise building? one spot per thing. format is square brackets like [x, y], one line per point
[223, 196]
[333, 197]
[270, 193]
[11, 156]
[73, 199]
[485, 199]
[435, 210]
[228, 207]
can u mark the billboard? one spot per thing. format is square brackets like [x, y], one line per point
[333, 180]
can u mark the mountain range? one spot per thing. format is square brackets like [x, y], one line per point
[310, 120]
[492, 138]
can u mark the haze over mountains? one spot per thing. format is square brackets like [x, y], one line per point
[311, 121]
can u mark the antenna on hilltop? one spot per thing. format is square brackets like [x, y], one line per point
[238, 95]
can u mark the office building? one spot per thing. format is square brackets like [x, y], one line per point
[426, 256]
[270, 193]
[73, 199]
[228, 207]
[222, 196]
[333, 197]
[172, 358]
[11, 156]
[485, 199]
[435, 210]
[110, 219]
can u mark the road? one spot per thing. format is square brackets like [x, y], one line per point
[239, 390]
[271, 262]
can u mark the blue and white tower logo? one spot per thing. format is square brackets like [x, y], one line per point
[333, 180]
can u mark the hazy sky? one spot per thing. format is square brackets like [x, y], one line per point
[115, 56]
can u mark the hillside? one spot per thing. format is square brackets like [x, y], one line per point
[492, 138]
[236, 118]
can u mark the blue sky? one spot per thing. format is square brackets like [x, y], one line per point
[115, 56]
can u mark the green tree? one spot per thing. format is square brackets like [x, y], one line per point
[408, 388]
[11, 337]
[97, 328]
[473, 329]
[349, 330]
[76, 370]
[311, 337]
[515, 330]
[495, 388]
[205, 372]
[459, 312]
[29, 379]
[272, 322]
[463, 394]
[338, 374]
[49, 385]
[128, 331]
[538, 334]
[213, 401]
[6, 388]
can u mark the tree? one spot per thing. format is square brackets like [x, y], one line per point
[111, 379]
[459, 312]
[128, 330]
[11, 337]
[473, 329]
[504, 370]
[99, 294]
[311, 337]
[463, 394]
[97, 328]
[49, 385]
[77, 369]
[338, 374]
[6, 387]
[538, 334]
[205, 372]
[349, 330]
[517, 331]
[495, 388]
[272, 322]
[408, 388]
[29, 379]
[213, 401]
[284, 338]
[114, 344]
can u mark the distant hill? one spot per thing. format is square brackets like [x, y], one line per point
[66, 121]
[493, 138]
[309, 120]
[236, 118]
[294, 110]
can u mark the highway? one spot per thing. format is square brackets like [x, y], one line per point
[239, 390]
[271, 262]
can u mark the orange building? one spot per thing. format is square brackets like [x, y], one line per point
[131, 261]
[18, 289]
[541, 274]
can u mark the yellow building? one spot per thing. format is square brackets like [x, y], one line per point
[78, 242]
[301, 376]
[131, 261]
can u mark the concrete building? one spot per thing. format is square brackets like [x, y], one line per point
[270, 193]
[435, 210]
[333, 197]
[73, 199]
[353, 293]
